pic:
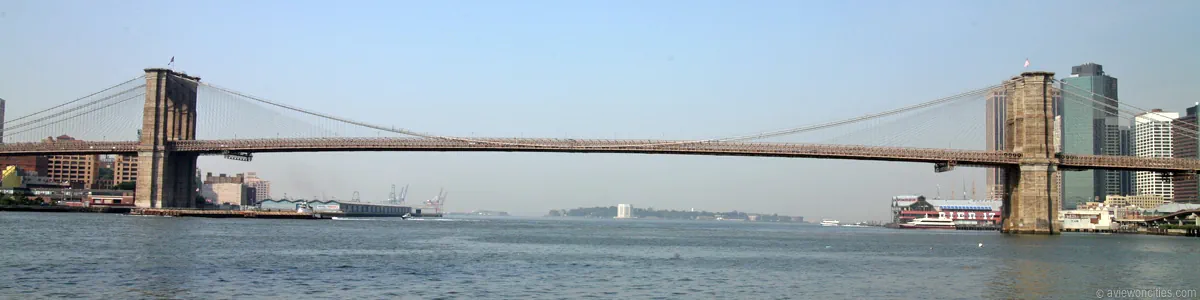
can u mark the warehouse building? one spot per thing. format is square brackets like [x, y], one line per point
[358, 209]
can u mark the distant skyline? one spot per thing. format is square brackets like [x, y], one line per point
[600, 69]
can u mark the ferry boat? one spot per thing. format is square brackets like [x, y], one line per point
[304, 208]
[829, 222]
[929, 223]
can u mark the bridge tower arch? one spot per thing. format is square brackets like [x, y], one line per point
[1032, 199]
[165, 178]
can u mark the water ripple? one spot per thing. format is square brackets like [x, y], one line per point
[100, 256]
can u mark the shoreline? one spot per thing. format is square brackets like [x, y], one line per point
[198, 213]
[202, 213]
[66, 209]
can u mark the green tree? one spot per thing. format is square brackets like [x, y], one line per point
[126, 186]
[106, 174]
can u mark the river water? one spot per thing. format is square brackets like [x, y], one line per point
[109, 256]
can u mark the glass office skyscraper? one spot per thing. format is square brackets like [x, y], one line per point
[1089, 126]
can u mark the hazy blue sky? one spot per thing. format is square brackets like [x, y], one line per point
[624, 69]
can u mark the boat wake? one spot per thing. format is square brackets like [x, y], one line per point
[353, 219]
[147, 216]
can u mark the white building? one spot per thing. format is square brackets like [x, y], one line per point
[262, 188]
[624, 211]
[1152, 138]
[1089, 216]
[229, 193]
[1089, 219]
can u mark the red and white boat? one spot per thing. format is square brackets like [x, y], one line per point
[929, 223]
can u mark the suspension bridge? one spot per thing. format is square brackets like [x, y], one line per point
[180, 118]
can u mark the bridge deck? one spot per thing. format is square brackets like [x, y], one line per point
[962, 157]
[959, 157]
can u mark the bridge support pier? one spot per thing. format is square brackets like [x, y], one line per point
[1032, 199]
[166, 179]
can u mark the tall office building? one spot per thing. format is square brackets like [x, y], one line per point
[1115, 181]
[125, 169]
[1152, 130]
[80, 171]
[995, 140]
[262, 188]
[1127, 186]
[1184, 141]
[1089, 126]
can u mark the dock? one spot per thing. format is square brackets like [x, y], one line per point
[1089, 230]
[987, 227]
[203, 213]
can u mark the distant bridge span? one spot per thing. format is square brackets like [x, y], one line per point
[961, 157]
[793, 150]
[789, 150]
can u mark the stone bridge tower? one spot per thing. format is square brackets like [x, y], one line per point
[1032, 199]
[165, 178]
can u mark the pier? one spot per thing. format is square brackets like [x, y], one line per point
[61, 208]
[235, 214]
[986, 227]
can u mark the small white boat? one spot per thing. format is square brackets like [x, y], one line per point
[304, 208]
[830, 222]
[929, 223]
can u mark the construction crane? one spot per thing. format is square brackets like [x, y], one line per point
[437, 202]
[403, 194]
[394, 198]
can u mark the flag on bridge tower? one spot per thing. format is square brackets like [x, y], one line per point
[173, 61]
[1026, 61]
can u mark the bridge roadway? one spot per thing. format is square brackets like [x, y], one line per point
[795, 150]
